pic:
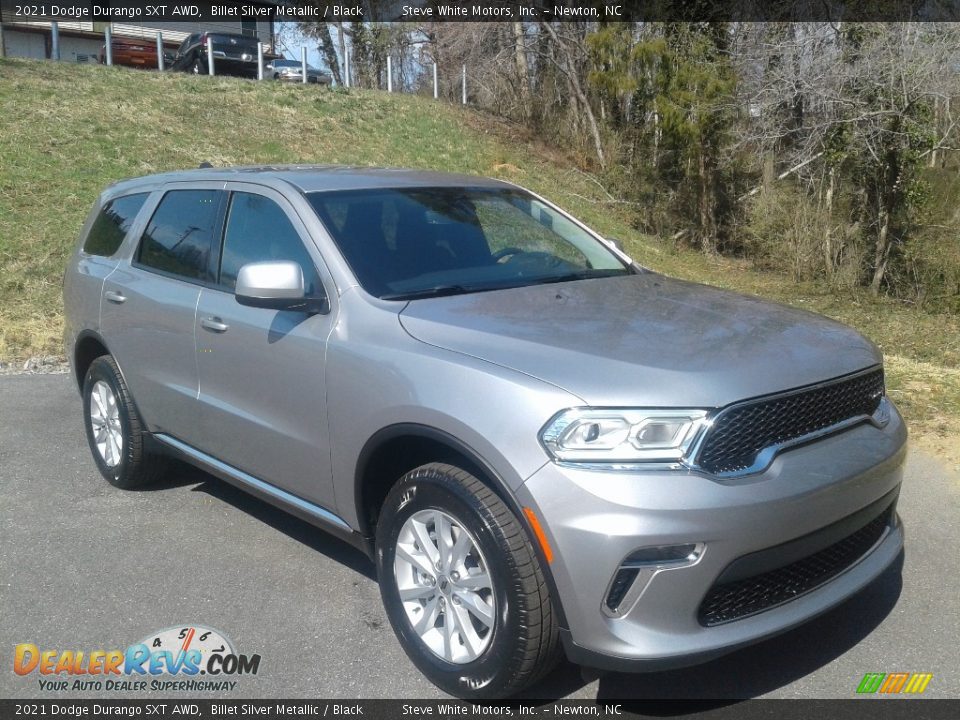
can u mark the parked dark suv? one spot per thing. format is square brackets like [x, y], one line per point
[540, 443]
[232, 54]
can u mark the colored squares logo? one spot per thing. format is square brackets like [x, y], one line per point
[894, 683]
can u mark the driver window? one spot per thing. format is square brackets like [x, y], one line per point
[258, 230]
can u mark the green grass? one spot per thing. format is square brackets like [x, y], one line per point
[67, 131]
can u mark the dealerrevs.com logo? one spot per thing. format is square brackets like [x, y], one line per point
[188, 657]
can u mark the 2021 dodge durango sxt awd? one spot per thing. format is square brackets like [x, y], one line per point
[543, 446]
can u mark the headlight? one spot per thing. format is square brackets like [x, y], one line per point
[622, 435]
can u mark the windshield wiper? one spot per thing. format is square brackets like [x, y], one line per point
[435, 291]
[444, 290]
[581, 275]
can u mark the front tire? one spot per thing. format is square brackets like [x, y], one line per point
[115, 432]
[462, 586]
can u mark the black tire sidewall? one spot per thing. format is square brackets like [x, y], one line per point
[493, 669]
[100, 370]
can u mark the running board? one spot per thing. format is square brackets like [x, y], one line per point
[311, 512]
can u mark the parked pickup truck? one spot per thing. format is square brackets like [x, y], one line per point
[232, 54]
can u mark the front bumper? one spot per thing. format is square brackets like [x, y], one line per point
[594, 520]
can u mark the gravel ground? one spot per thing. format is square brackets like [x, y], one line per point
[39, 365]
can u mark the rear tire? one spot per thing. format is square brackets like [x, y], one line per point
[503, 634]
[116, 433]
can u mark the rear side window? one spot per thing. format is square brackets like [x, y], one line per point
[111, 226]
[179, 237]
[258, 230]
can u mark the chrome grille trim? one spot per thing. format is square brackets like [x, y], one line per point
[765, 455]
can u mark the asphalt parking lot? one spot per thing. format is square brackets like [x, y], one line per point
[84, 566]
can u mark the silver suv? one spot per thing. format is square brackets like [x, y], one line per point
[542, 445]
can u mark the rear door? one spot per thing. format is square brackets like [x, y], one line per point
[262, 392]
[150, 304]
[103, 235]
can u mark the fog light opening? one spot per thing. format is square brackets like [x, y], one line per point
[619, 587]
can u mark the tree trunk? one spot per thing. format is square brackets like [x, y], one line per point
[329, 53]
[882, 251]
[342, 41]
[708, 234]
[523, 69]
[769, 171]
[829, 259]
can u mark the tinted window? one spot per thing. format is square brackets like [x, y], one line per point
[112, 224]
[259, 231]
[179, 236]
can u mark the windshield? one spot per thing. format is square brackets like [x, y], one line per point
[421, 242]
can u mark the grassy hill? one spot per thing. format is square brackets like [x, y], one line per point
[66, 131]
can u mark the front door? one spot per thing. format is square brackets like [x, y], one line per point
[262, 394]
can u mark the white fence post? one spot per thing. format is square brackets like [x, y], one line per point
[303, 62]
[346, 69]
[259, 60]
[108, 45]
[389, 75]
[54, 41]
[161, 64]
[209, 55]
[464, 85]
[435, 89]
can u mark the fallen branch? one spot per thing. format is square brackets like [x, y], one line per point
[781, 176]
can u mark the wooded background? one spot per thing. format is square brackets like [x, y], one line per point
[825, 150]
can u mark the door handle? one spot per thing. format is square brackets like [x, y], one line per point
[214, 324]
[115, 297]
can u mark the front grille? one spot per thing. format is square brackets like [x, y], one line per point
[734, 600]
[740, 432]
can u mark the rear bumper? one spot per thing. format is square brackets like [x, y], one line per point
[594, 520]
[235, 64]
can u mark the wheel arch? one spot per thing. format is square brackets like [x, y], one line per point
[396, 449]
[88, 346]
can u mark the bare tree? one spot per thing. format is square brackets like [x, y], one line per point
[870, 103]
[569, 56]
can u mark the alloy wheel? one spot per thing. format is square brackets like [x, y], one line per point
[105, 420]
[445, 586]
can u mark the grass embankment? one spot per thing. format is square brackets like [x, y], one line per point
[67, 131]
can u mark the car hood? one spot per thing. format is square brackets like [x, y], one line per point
[643, 340]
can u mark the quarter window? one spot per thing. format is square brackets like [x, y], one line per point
[258, 230]
[111, 226]
[179, 236]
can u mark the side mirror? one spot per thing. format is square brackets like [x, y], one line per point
[276, 286]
